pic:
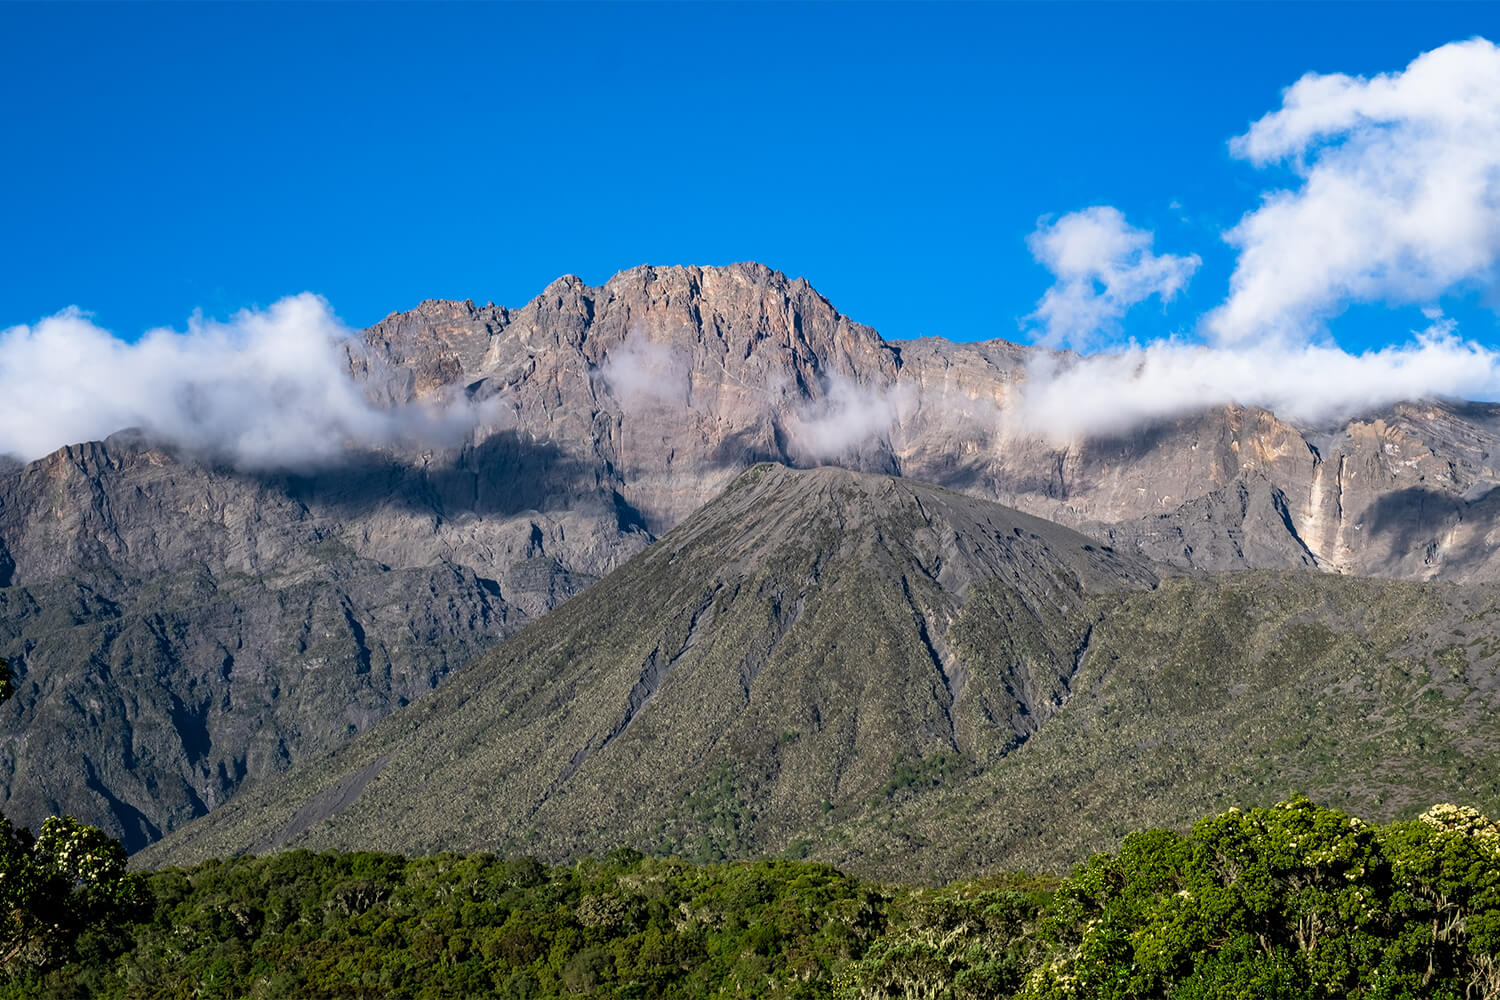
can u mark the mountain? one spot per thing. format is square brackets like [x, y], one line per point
[673, 380]
[179, 628]
[903, 679]
[786, 647]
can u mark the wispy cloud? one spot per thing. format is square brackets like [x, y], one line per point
[1103, 267]
[847, 417]
[267, 389]
[640, 372]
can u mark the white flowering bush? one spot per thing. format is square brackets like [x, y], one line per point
[69, 880]
[1465, 821]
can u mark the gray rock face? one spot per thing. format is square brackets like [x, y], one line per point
[179, 629]
[669, 381]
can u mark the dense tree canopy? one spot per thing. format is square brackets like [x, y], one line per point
[1291, 901]
[1294, 901]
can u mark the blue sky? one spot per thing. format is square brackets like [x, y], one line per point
[162, 159]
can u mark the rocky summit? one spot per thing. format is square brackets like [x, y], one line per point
[670, 381]
[178, 627]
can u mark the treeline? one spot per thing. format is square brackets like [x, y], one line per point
[1294, 901]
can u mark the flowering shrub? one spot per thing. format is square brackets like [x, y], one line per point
[53, 888]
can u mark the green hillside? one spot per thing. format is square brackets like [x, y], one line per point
[1240, 689]
[785, 654]
[911, 684]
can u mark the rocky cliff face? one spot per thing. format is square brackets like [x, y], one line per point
[180, 629]
[671, 380]
[665, 383]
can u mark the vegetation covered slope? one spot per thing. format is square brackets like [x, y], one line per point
[780, 655]
[1294, 902]
[908, 683]
[1376, 696]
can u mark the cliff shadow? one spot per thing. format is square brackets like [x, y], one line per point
[503, 475]
[1414, 519]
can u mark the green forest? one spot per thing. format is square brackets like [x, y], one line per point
[1294, 901]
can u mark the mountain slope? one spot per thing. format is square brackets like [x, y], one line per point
[427, 556]
[902, 679]
[783, 651]
[1373, 696]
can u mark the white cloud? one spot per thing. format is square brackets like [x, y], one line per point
[1073, 398]
[1103, 267]
[266, 389]
[1399, 198]
[1397, 202]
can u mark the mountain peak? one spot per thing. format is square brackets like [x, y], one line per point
[748, 272]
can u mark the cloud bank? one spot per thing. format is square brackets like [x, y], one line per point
[1397, 202]
[1072, 398]
[267, 389]
[1395, 199]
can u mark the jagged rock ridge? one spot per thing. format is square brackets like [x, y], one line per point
[729, 366]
